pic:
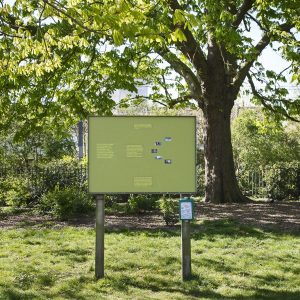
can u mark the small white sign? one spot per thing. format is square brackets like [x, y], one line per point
[186, 210]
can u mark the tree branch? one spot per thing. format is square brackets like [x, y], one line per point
[165, 88]
[183, 70]
[285, 69]
[260, 46]
[241, 75]
[12, 22]
[256, 21]
[185, 98]
[190, 48]
[10, 35]
[145, 98]
[264, 101]
[244, 8]
[168, 104]
[74, 20]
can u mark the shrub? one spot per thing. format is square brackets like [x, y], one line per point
[15, 191]
[20, 186]
[59, 173]
[200, 173]
[140, 203]
[283, 181]
[169, 208]
[66, 203]
[2, 192]
[252, 182]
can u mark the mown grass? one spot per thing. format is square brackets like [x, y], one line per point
[229, 261]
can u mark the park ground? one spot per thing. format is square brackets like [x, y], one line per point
[246, 251]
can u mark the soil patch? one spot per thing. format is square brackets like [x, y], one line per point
[284, 217]
[281, 216]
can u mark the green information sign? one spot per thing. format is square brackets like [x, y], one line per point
[142, 155]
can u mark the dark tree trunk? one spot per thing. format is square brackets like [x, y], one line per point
[221, 185]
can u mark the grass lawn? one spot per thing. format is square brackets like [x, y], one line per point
[229, 261]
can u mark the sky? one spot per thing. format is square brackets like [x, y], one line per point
[272, 60]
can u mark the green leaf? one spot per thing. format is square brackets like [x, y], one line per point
[118, 38]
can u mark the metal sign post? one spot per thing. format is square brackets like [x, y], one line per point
[186, 214]
[140, 155]
[99, 257]
[185, 250]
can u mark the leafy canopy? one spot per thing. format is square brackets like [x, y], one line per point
[61, 60]
[259, 142]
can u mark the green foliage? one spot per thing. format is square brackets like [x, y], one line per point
[58, 148]
[200, 173]
[59, 173]
[170, 209]
[37, 147]
[24, 186]
[259, 142]
[141, 203]
[63, 62]
[15, 191]
[283, 181]
[268, 153]
[66, 203]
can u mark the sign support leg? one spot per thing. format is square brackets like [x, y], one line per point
[99, 257]
[185, 250]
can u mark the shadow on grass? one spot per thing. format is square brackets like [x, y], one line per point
[196, 287]
[227, 227]
[76, 255]
[264, 294]
[157, 232]
[199, 287]
[208, 229]
[11, 293]
[69, 290]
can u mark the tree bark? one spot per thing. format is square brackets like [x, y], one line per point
[221, 184]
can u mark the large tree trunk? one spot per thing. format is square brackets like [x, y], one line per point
[220, 179]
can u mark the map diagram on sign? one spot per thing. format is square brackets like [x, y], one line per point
[142, 155]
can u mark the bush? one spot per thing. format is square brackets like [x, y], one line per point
[200, 173]
[141, 203]
[21, 186]
[283, 181]
[170, 209]
[15, 191]
[66, 203]
[59, 173]
[259, 142]
[252, 182]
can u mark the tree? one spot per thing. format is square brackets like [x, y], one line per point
[260, 143]
[268, 153]
[39, 147]
[58, 63]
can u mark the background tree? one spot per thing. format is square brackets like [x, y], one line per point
[58, 63]
[259, 143]
[267, 155]
[37, 147]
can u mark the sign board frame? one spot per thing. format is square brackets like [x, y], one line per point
[105, 150]
[182, 202]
